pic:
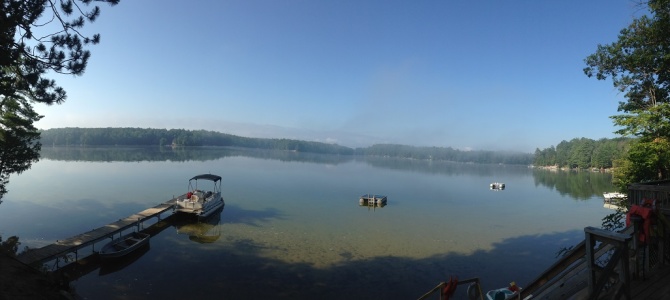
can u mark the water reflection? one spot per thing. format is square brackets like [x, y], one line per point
[180, 154]
[579, 185]
[444, 167]
[293, 230]
[205, 231]
[237, 215]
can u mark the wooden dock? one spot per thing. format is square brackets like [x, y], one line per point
[73, 244]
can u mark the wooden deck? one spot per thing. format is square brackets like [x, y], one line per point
[656, 286]
[73, 244]
[568, 278]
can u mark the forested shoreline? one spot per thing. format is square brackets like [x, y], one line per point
[190, 138]
[583, 153]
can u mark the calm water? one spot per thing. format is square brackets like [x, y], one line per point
[292, 227]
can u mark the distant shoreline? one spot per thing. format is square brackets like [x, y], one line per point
[557, 168]
[201, 138]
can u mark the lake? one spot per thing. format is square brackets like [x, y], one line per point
[292, 226]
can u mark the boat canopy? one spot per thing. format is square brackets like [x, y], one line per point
[211, 177]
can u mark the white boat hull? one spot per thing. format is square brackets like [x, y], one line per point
[200, 208]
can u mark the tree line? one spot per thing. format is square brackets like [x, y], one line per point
[182, 137]
[177, 137]
[583, 153]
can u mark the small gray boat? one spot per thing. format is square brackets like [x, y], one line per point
[124, 245]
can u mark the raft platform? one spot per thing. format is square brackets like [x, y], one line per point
[370, 199]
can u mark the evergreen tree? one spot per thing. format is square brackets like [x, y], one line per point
[25, 60]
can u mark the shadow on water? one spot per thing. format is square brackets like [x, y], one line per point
[203, 231]
[119, 264]
[240, 270]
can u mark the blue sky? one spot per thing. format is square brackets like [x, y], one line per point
[485, 75]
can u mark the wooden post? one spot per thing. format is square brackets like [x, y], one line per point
[624, 270]
[589, 242]
[618, 259]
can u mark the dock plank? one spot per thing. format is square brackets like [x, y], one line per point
[654, 287]
[72, 244]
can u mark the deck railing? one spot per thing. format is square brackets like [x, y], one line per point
[614, 277]
[569, 275]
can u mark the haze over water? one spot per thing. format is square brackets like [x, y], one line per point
[292, 226]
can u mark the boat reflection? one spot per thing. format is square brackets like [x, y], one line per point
[372, 205]
[117, 264]
[205, 231]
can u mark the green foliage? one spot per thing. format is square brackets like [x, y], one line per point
[616, 221]
[181, 137]
[177, 138]
[19, 139]
[37, 37]
[639, 65]
[582, 153]
[10, 247]
[28, 56]
[638, 62]
[646, 161]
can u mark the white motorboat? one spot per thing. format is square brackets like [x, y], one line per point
[614, 196]
[201, 203]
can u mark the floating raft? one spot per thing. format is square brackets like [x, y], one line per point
[497, 186]
[369, 199]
